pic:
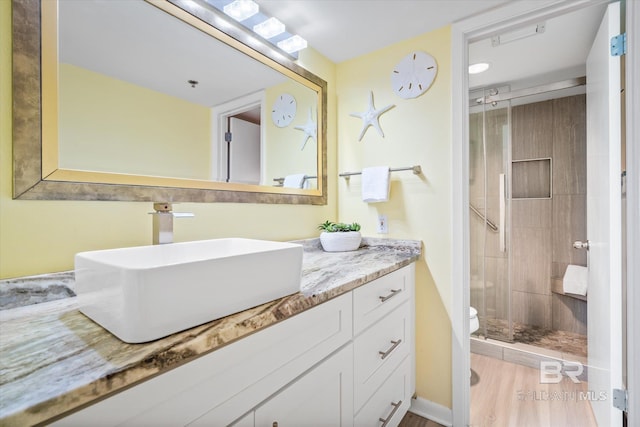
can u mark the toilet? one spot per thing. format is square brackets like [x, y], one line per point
[474, 324]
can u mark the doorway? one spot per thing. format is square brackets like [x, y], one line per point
[527, 200]
[236, 138]
[503, 20]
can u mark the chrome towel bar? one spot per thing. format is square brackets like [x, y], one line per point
[416, 170]
[280, 181]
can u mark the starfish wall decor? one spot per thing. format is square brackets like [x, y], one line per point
[310, 130]
[371, 117]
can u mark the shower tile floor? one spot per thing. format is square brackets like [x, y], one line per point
[561, 341]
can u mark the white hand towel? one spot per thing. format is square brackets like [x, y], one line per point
[375, 184]
[575, 280]
[294, 181]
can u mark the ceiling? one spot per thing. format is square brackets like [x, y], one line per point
[137, 43]
[373, 24]
[556, 53]
[338, 29]
[345, 29]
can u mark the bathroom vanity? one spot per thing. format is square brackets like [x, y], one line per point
[340, 352]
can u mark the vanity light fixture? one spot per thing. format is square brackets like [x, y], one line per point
[241, 9]
[269, 28]
[479, 67]
[292, 44]
[246, 13]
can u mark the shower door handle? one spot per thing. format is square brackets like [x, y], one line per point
[503, 245]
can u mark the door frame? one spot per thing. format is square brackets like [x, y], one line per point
[632, 106]
[481, 26]
[219, 114]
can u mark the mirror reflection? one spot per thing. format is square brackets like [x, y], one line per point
[141, 92]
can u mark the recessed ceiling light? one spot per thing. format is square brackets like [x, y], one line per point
[241, 9]
[478, 68]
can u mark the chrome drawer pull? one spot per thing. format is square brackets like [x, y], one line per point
[393, 293]
[393, 412]
[384, 354]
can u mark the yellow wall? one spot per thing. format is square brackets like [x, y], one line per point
[110, 125]
[43, 236]
[417, 132]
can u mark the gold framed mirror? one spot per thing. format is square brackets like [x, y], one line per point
[56, 155]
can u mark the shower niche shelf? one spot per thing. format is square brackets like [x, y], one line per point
[531, 179]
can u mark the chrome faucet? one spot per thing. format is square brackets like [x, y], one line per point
[163, 222]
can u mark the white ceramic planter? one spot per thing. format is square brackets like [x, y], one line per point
[340, 241]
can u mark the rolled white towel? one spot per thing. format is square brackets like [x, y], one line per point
[575, 280]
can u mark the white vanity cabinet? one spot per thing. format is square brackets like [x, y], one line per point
[342, 363]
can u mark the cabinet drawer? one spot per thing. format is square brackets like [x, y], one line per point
[379, 350]
[390, 402]
[379, 297]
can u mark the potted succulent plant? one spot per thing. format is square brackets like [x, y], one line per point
[340, 237]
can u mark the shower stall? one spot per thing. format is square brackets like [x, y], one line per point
[489, 148]
[527, 205]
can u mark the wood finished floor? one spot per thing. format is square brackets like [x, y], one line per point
[504, 394]
[413, 420]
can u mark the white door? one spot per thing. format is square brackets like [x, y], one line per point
[604, 220]
[245, 152]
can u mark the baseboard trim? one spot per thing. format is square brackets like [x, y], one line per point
[432, 411]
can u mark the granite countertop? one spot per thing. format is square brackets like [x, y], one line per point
[54, 360]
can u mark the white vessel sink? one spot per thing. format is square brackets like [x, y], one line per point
[144, 293]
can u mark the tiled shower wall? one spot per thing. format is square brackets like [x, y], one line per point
[543, 230]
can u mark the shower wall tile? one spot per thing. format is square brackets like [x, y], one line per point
[497, 286]
[531, 260]
[476, 298]
[569, 314]
[532, 131]
[476, 157]
[569, 225]
[476, 170]
[569, 145]
[558, 269]
[493, 237]
[531, 213]
[496, 149]
[531, 309]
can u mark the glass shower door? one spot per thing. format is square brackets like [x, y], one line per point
[489, 211]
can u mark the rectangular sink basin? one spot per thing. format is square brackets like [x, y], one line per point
[143, 293]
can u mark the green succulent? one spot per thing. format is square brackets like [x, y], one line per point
[333, 227]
